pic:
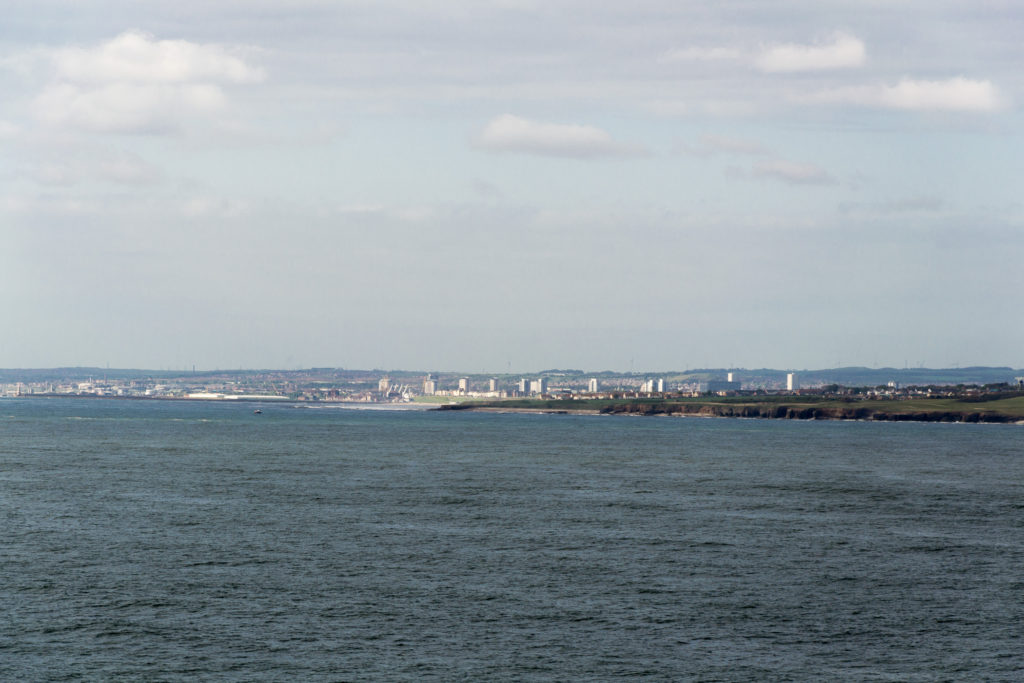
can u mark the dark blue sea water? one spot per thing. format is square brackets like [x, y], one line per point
[151, 540]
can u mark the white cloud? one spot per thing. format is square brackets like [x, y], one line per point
[204, 207]
[844, 52]
[486, 190]
[954, 94]
[709, 144]
[126, 107]
[700, 54]
[360, 209]
[919, 204]
[55, 174]
[137, 84]
[508, 133]
[408, 214]
[128, 169]
[135, 57]
[50, 204]
[8, 130]
[123, 168]
[793, 173]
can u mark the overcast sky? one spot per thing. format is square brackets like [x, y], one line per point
[511, 185]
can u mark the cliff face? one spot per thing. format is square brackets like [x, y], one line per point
[803, 413]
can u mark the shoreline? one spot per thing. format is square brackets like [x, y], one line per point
[760, 411]
[512, 409]
[282, 400]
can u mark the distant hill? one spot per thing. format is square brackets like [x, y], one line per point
[73, 374]
[858, 376]
[80, 374]
[848, 376]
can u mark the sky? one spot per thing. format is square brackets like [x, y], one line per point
[511, 186]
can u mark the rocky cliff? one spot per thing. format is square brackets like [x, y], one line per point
[802, 412]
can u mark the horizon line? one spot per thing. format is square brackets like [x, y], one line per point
[195, 370]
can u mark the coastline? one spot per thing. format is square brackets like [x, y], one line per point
[766, 411]
[947, 411]
[512, 409]
[282, 400]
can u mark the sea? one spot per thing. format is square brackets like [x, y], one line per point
[183, 541]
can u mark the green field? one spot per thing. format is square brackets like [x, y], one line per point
[1011, 407]
[1006, 409]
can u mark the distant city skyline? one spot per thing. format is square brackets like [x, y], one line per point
[511, 186]
[403, 386]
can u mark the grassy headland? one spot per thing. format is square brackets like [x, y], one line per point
[1001, 409]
